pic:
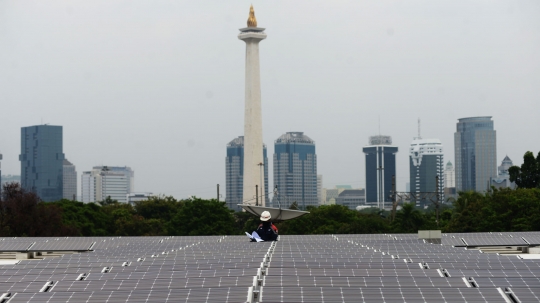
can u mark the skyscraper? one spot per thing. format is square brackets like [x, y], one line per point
[253, 140]
[295, 170]
[449, 181]
[380, 167]
[70, 181]
[449, 176]
[234, 175]
[426, 162]
[107, 181]
[42, 161]
[476, 153]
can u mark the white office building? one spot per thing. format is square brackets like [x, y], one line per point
[107, 181]
[69, 181]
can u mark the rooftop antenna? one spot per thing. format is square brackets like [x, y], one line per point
[379, 125]
[419, 137]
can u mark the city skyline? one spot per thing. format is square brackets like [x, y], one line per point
[157, 89]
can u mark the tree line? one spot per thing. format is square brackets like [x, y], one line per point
[499, 210]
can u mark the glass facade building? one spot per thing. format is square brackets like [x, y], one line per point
[70, 181]
[380, 167]
[234, 174]
[42, 161]
[426, 162]
[476, 153]
[295, 170]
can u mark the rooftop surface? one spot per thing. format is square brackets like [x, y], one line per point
[313, 268]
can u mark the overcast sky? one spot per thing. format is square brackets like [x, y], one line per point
[159, 85]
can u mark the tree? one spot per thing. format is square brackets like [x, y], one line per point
[528, 175]
[198, 217]
[23, 214]
[158, 207]
[408, 219]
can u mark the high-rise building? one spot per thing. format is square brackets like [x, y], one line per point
[449, 175]
[107, 181]
[503, 178]
[449, 181]
[70, 181]
[234, 175]
[476, 153]
[295, 170]
[253, 139]
[380, 168]
[42, 161]
[319, 189]
[426, 163]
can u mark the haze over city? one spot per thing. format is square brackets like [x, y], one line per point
[159, 86]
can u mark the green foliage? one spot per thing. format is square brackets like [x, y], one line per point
[334, 219]
[87, 219]
[158, 207]
[528, 175]
[198, 217]
[408, 220]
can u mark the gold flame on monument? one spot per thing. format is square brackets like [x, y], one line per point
[252, 21]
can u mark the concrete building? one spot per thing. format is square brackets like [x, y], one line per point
[426, 163]
[10, 179]
[503, 178]
[131, 198]
[476, 153]
[70, 181]
[319, 189]
[42, 161]
[449, 181]
[380, 168]
[107, 181]
[253, 139]
[295, 170]
[352, 198]
[234, 175]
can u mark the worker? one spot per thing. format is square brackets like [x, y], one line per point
[267, 230]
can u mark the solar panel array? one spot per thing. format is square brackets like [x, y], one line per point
[322, 268]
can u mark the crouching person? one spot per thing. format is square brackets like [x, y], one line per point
[267, 230]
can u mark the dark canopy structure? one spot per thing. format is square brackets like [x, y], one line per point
[278, 214]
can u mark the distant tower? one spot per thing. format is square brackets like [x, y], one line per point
[234, 174]
[449, 176]
[70, 181]
[42, 161]
[253, 140]
[475, 146]
[426, 162]
[380, 167]
[295, 170]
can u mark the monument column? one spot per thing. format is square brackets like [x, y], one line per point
[253, 141]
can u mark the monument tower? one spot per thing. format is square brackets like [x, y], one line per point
[253, 141]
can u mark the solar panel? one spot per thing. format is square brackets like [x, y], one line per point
[313, 268]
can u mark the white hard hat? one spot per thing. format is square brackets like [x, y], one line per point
[265, 216]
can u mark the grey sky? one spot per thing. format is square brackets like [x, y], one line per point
[159, 85]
